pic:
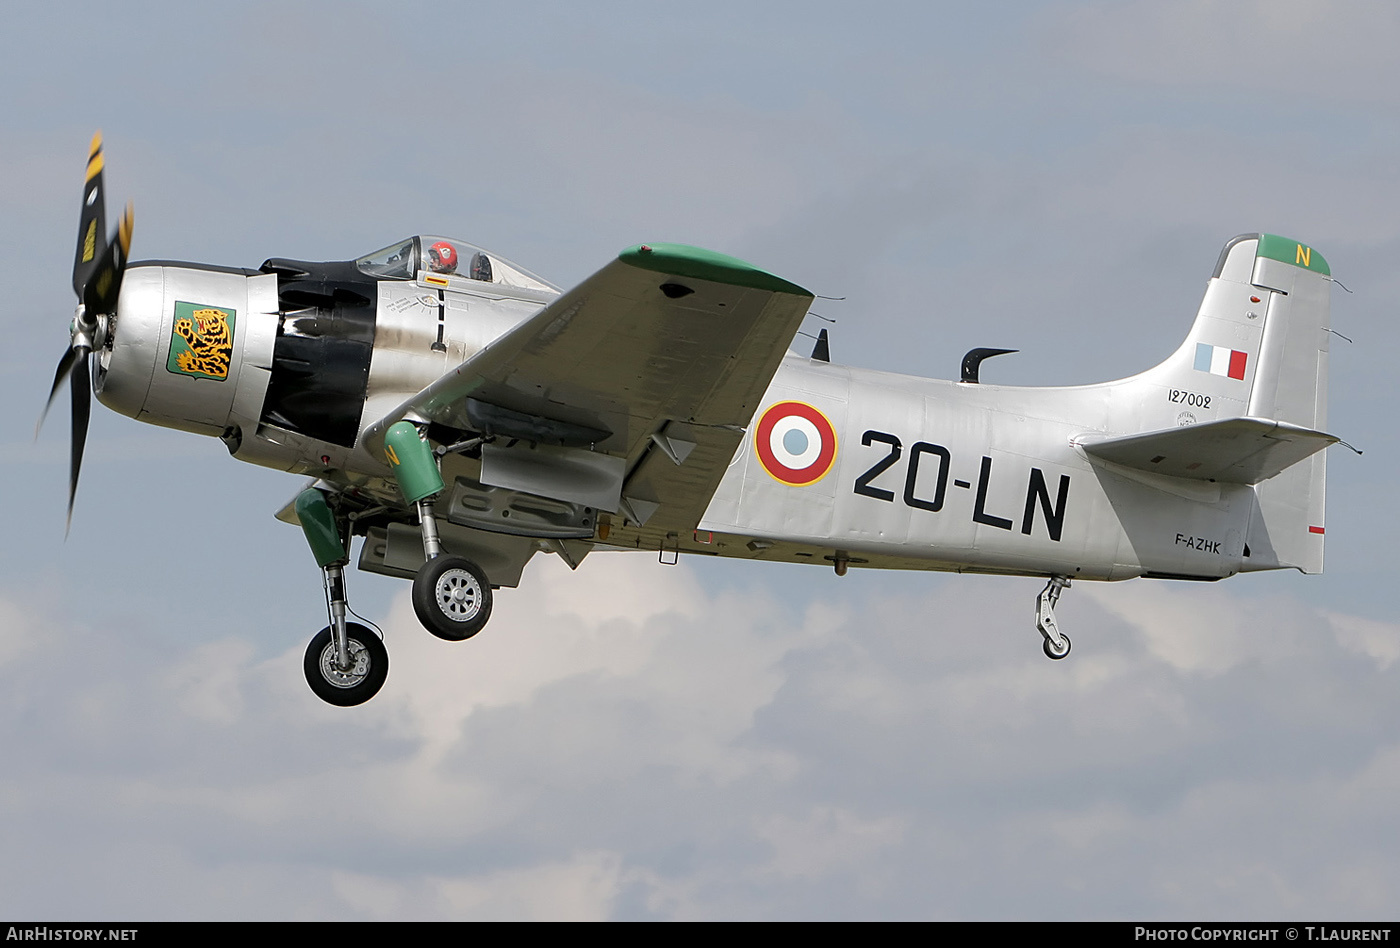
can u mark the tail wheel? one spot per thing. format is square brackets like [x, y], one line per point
[346, 687]
[452, 597]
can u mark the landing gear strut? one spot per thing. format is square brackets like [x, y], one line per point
[1056, 642]
[451, 594]
[346, 664]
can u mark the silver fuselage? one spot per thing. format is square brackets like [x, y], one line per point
[934, 474]
[921, 473]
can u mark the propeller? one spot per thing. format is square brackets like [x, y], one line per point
[98, 265]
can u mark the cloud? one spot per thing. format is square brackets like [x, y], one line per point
[582, 888]
[630, 740]
[1377, 640]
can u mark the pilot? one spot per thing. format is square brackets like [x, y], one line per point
[442, 257]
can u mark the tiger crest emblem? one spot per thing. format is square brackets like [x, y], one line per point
[201, 343]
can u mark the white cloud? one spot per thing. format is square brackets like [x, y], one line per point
[825, 839]
[581, 888]
[1197, 630]
[623, 741]
[19, 631]
[1375, 639]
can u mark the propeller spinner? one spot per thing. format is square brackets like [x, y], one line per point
[98, 265]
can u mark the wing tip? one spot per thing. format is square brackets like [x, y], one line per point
[701, 264]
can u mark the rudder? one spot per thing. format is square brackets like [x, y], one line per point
[1291, 381]
[1288, 525]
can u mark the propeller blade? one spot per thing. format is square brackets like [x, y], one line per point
[81, 383]
[100, 291]
[92, 221]
[98, 265]
[65, 365]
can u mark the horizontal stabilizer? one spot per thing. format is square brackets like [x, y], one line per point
[1232, 451]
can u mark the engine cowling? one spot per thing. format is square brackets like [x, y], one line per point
[190, 347]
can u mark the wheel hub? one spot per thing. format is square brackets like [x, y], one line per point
[458, 595]
[350, 677]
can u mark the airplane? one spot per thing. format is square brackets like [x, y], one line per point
[461, 414]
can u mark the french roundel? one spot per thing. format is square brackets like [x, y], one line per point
[795, 443]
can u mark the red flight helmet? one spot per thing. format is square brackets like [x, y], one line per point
[442, 257]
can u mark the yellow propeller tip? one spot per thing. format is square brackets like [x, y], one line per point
[94, 164]
[124, 230]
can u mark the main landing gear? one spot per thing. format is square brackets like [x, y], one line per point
[1056, 642]
[451, 595]
[346, 664]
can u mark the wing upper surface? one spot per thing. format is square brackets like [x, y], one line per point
[664, 335]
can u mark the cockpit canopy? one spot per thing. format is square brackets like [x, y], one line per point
[447, 255]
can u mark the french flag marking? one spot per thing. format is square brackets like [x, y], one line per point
[1218, 360]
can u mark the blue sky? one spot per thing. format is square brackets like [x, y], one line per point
[708, 740]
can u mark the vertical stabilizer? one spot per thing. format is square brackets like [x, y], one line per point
[1258, 346]
[1257, 349]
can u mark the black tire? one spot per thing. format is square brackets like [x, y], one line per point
[1051, 653]
[370, 666]
[452, 597]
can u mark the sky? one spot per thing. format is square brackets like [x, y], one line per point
[709, 740]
